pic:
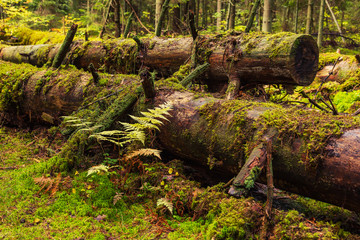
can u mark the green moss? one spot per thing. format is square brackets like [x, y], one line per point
[42, 55]
[234, 219]
[121, 56]
[28, 36]
[13, 78]
[314, 128]
[345, 100]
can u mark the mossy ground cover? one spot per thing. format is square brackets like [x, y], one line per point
[122, 205]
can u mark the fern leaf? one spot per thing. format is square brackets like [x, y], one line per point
[145, 122]
[132, 126]
[153, 116]
[73, 121]
[98, 169]
[136, 136]
[144, 152]
[91, 129]
[165, 202]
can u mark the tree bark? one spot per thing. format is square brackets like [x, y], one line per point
[218, 17]
[117, 18]
[321, 23]
[267, 18]
[65, 46]
[212, 139]
[255, 59]
[254, 10]
[42, 94]
[334, 19]
[296, 16]
[161, 18]
[309, 16]
[213, 132]
[231, 15]
[158, 4]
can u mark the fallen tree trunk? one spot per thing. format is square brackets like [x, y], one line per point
[314, 154]
[252, 58]
[32, 95]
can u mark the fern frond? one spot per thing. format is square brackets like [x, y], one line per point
[144, 152]
[82, 124]
[91, 129]
[132, 126]
[98, 169]
[147, 119]
[165, 202]
[146, 123]
[111, 133]
[67, 118]
[77, 120]
[136, 136]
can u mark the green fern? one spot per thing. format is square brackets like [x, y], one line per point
[144, 152]
[80, 124]
[165, 202]
[98, 169]
[136, 131]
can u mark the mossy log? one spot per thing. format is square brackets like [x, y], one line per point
[253, 58]
[33, 95]
[314, 154]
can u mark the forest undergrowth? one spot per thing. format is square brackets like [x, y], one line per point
[145, 199]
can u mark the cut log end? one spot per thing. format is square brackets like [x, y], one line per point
[304, 60]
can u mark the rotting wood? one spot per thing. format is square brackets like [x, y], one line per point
[94, 74]
[161, 18]
[249, 173]
[255, 58]
[194, 74]
[147, 84]
[214, 141]
[217, 133]
[65, 47]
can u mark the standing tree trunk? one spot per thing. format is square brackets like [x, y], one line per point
[176, 22]
[335, 21]
[158, 5]
[321, 23]
[218, 16]
[106, 17]
[309, 16]
[267, 18]
[204, 14]
[161, 18]
[296, 16]
[117, 18]
[232, 12]
[254, 10]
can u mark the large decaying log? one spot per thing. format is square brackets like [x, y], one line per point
[220, 133]
[252, 58]
[29, 94]
[308, 156]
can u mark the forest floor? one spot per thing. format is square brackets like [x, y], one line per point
[143, 200]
